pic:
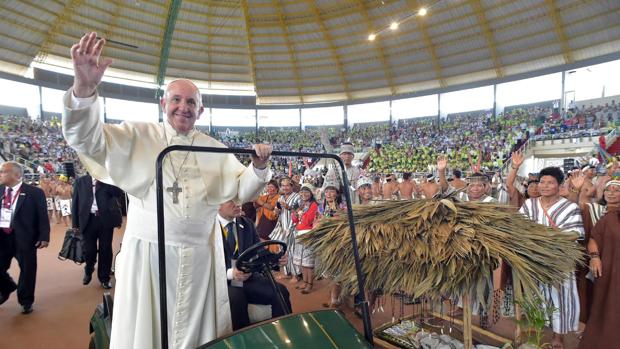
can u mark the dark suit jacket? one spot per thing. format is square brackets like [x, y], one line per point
[30, 222]
[247, 235]
[107, 203]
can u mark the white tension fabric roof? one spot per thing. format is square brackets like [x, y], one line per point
[314, 51]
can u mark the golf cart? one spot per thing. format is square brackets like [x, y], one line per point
[317, 329]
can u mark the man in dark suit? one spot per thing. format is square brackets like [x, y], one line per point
[96, 213]
[239, 234]
[24, 227]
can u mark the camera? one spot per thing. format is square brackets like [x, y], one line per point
[295, 205]
[278, 205]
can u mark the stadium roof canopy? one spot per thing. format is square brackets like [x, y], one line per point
[303, 51]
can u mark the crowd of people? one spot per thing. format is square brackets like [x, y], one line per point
[308, 141]
[407, 145]
[38, 142]
[411, 145]
[581, 201]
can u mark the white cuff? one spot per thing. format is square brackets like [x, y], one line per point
[229, 274]
[81, 103]
[262, 174]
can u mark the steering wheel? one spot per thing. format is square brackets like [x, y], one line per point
[258, 257]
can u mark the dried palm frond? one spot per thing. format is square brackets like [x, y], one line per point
[438, 248]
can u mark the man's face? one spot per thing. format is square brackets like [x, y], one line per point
[347, 158]
[181, 103]
[590, 173]
[475, 190]
[548, 186]
[365, 192]
[8, 175]
[230, 210]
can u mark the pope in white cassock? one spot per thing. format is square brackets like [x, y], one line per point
[196, 183]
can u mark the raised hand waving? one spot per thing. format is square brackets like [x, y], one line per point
[88, 65]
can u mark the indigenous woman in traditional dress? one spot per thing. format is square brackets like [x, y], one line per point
[304, 219]
[266, 214]
[287, 202]
[603, 326]
[591, 213]
[332, 206]
[552, 210]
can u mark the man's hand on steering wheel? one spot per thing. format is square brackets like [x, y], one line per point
[260, 257]
[239, 275]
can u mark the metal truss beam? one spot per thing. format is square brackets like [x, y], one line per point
[488, 35]
[414, 6]
[387, 71]
[289, 47]
[558, 26]
[248, 35]
[166, 41]
[63, 17]
[332, 48]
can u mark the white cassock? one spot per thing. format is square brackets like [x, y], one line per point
[125, 155]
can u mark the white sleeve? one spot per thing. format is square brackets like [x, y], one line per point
[81, 103]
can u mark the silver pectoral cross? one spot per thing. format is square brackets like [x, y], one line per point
[175, 190]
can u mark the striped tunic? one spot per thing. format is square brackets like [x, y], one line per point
[479, 306]
[283, 229]
[596, 212]
[567, 216]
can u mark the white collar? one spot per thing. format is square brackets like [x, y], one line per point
[172, 133]
[223, 221]
[15, 188]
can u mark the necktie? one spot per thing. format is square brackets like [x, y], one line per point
[95, 198]
[8, 197]
[6, 203]
[230, 238]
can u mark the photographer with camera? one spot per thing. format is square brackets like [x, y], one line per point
[266, 210]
